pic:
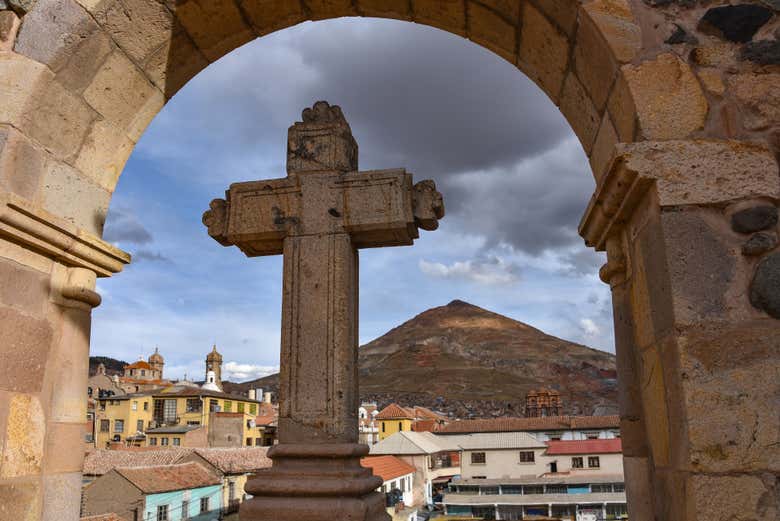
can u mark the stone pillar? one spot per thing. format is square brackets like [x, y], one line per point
[48, 269]
[698, 338]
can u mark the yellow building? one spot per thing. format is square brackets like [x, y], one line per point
[123, 419]
[392, 419]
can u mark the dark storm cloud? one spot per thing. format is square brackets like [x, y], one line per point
[122, 226]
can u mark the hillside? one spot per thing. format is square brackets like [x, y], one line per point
[471, 362]
[113, 366]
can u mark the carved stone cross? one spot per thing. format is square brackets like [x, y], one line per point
[318, 217]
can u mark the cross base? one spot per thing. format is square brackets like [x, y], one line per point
[315, 482]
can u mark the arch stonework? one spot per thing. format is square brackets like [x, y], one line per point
[677, 109]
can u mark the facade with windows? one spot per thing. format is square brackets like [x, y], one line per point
[122, 419]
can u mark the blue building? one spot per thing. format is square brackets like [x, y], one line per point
[186, 491]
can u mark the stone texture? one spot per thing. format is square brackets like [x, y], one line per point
[759, 244]
[139, 27]
[745, 494]
[736, 23]
[715, 55]
[267, 16]
[765, 288]
[615, 22]
[492, 31]
[399, 9]
[759, 97]
[764, 52]
[578, 108]
[62, 493]
[25, 431]
[603, 148]
[21, 163]
[20, 500]
[22, 6]
[28, 344]
[508, 9]
[9, 25]
[118, 91]
[64, 435]
[712, 81]
[449, 15]
[563, 13]
[323, 9]
[214, 39]
[23, 288]
[754, 219]
[654, 404]
[173, 64]
[668, 97]
[622, 110]
[104, 153]
[544, 52]
[681, 35]
[594, 62]
[70, 195]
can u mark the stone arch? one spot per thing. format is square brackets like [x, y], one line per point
[677, 111]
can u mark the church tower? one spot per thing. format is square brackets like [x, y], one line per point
[157, 362]
[214, 363]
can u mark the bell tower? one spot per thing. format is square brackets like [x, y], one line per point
[214, 363]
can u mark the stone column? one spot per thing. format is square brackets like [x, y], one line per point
[691, 233]
[48, 269]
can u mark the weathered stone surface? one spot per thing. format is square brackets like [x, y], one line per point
[765, 288]
[760, 243]
[622, 110]
[736, 23]
[763, 52]
[18, 77]
[22, 6]
[9, 25]
[322, 9]
[70, 195]
[654, 403]
[21, 500]
[594, 63]
[449, 15]
[746, 493]
[64, 435]
[22, 288]
[104, 154]
[580, 112]
[754, 219]
[28, 344]
[712, 80]
[267, 16]
[492, 31]
[25, 431]
[139, 27]
[21, 163]
[603, 148]
[717, 55]
[759, 95]
[509, 9]
[544, 52]
[173, 64]
[62, 493]
[615, 22]
[214, 39]
[668, 97]
[681, 35]
[400, 9]
[562, 13]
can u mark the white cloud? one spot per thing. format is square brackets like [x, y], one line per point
[239, 372]
[590, 327]
[490, 271]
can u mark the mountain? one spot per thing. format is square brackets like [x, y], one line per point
[471, 362]
[113, 366]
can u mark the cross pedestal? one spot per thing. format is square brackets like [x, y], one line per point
[318, 217]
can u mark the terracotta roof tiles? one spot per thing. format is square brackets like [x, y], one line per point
[395, 412]
[236, 460]
[101, 461]
[531, 424]
[387, 467]
[611, 446]
[167, 478]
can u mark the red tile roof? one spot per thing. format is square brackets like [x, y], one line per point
[387, 467]
[613, 446]
[395, 412]
[531, 424]
[167, 478]
[139, 365]
[426, 426]
[101, 461]
[235, 460]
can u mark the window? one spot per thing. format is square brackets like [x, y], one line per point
[593, 462]
[204, 505]
[228, 406]
[576, 463]
[143, 372]
[478, 477]
[533, 489]
[162, 513]
[213, 405]
[240, 407]
[601, 487]
[383, 426]
[616, 510]
[185, 509]
[252, 408]
[258, 442]
[105, 425]
[477, 458]
[146, 406]
[119, 425]
[89, 391]
[591, 435]
[556, 489]
[194, 405]
[231, 490]
[527, 456]
[193, 422]
[139, 425]
[249, 442]
[169, 414]
[153, 442]
[163, 441]
[400, 426]
[102, 406]
[132, 372]
[134, 405]
[511, 489]
[177, 441]
[619, 487]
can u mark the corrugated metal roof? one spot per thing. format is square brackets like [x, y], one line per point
[495, 440]
[535, 499]
[410, 443]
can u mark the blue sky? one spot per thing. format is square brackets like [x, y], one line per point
[514, 178]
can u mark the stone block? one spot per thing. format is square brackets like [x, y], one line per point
[23, 288]
[579, 110]
[603, 148]
[730, 497]
[64, 435]
[9, 25]
[173, 64]
[622, 110]
[759, 244]
[712, 80]
[27, 343]
[563, 13]
[21, 7]
[19, 76]
[615, 22]
[217, 27]
[399, 9]
[267, 16]
[508, 9]
[654, 403]
[593, 61]
[139, 27]
[21, 500]
[324, 9]
[21, 163]
[492, 32]
[544, 52]
[638, 490]
[719, 55]
[104, 154]
[119, 90]
[759, 98]
[25, 432]
[449, 15]
[145, 115]
[73, 197]
[62, 493]
[668, 97]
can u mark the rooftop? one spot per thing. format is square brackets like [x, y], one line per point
[612, 446]
[546, 423]
[167, 478]
[194, 392]
[410, 443]
[387, 467]
[535, 499]
[495, 440]
[101, 461]
[140, 364]
[395, 412]
[550, 479]
[174, 429]
[236, 460]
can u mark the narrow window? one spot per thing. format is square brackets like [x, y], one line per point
[383, 426]
[105, 425]
[400, 426]
[228, 406]
[139, 425]
[146, 406]
[593, 462]
[576, 463]
[119, 425]
[258, 442]
[162, 513]
[252, 408]
[185, 509]
[143, 372]
[153, 442]
[163, 441]
[177, 441]
[477, 458]
[240, 407]
[204, 505]
[249, 442]
[231, 490]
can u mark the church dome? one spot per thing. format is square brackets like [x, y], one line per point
[156, 357]
[214, 355]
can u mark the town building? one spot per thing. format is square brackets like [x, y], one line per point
[542, 428]
[395, 418]
[163, 493]
[214, 364]
[397, 485]
[368, 426]
[144, 375]
[543, 402]
[499, 455]
[102, 461]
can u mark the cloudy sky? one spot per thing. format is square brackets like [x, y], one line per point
[514, 178]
